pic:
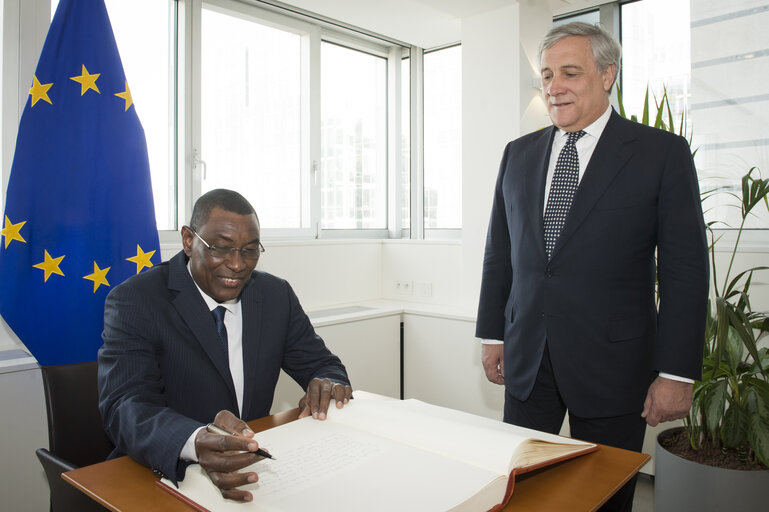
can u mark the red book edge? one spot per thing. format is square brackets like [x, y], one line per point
[549, 462]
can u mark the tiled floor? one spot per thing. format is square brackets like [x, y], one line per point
[643, 501]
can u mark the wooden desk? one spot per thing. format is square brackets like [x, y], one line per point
[580, 484]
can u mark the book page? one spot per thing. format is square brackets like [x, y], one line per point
[484, 442]
[331, 467]
[378, 455]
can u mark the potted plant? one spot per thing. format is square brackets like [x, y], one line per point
[719, 459]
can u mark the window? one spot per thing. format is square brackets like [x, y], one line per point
[443, 138]
[251, 115]
[353, 139]
[712, 57]
[310, 119]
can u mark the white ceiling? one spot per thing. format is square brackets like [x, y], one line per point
[425, 23]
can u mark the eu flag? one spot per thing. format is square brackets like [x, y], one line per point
[79, 215]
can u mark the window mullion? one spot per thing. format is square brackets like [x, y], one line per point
[417, 144]
[311, 213]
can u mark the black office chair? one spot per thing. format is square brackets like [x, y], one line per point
[76, 436]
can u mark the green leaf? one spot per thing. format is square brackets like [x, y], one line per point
[620, 102]
[758, 437]
[645, 115]
[734, 428]
[734, 349]
[713, 404]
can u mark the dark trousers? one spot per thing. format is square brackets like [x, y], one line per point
[544, 410]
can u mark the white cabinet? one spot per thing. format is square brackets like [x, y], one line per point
[24, 428]
[442, 366]
[370, 350]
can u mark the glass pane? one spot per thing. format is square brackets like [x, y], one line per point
[251, 118]
[148, 62]
[353, 139]
[710, 57]
[443, 138]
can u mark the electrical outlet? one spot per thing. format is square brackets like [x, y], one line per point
[404, 287]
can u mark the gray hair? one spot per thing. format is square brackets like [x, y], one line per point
[606, 49]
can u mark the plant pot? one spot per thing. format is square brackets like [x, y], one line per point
[681, 484]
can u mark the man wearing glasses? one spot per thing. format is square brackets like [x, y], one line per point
[201, 339]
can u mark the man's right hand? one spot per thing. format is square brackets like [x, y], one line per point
[221, 456]
[493, 359]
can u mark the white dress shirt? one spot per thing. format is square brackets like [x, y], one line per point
[233, 322]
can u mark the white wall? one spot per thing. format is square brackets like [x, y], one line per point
[499, 103]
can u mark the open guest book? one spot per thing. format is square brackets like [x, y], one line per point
[387, 455]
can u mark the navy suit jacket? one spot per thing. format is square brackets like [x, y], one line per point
[163, 371]
[594, 300]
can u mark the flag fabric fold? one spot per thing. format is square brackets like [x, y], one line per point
[79, 213]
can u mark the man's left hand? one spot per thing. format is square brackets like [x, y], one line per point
[318, 396]
[667, 400]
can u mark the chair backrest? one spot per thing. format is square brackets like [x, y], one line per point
[75, 429]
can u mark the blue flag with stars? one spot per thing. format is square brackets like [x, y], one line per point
[79, 215]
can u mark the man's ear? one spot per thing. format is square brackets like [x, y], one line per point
[607, 76]
[187, 236]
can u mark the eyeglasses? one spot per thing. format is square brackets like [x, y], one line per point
[221, 252]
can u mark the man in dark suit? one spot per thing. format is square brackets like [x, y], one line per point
[567, 309]
[202, 338]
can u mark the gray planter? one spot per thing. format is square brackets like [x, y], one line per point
[680, 484]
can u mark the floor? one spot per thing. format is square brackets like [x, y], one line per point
[643, 501]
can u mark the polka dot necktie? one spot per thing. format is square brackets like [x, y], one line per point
[218, 314]
[562, 190]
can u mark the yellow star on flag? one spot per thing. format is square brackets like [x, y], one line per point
[39, 91]
[50, 266]
[86, 81]
[126, 95]
[11, 231]
[99, 276]
[142, 259]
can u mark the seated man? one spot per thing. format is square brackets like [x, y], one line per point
[202, 338]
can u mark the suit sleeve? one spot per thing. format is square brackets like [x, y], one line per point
[131, 399]
[497, 277]
[306, 356]
[682, 268]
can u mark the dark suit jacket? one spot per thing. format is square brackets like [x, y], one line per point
[163, 371]
[594, 301]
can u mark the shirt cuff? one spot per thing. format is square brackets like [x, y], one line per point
[188, 450]
[492, 342]
[676, 377]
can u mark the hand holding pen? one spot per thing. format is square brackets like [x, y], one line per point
[215, 429]
[224, 447]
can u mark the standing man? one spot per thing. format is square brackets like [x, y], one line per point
[202, 338]
[567, 308]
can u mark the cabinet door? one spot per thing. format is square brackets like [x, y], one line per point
[369, 349]
[442, 366]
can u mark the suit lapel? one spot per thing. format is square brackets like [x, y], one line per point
[251, 310]
[192, 309]
[535, 161]
[611, 154]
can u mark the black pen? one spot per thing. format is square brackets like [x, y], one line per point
[216, 429]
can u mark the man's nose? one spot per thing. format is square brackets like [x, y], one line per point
[554, 87]
[235, 261]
